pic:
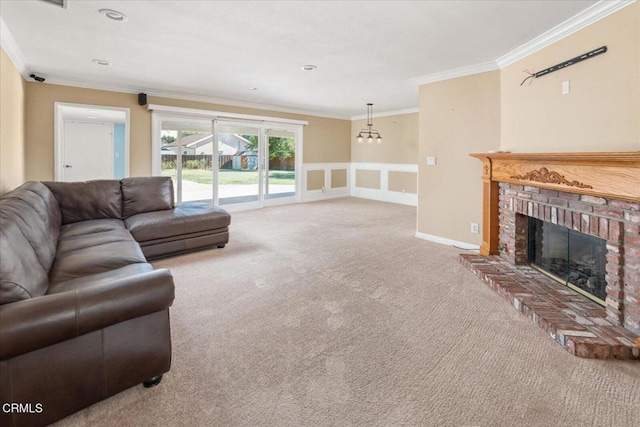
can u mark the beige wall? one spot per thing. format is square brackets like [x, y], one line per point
[339, 178]
[457, 117]
[602, 110]
[399, 140]
[39, 120]
[403, 181]
[325, 140]
[12, 125]
[368, 179]
[492, 111]
[315, 180]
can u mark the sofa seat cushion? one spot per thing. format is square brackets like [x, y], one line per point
[184, 219]
[91, 227]
[85, 253]
[99, 279]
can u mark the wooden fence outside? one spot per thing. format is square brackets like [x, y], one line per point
[196, 161]
[204, 161]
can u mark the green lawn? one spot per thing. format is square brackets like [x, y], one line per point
[228, 176]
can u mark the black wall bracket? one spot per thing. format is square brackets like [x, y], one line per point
[564, 64]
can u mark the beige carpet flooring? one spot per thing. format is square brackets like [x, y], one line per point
[333, 314]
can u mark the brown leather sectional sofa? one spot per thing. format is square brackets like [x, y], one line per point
[83, 315]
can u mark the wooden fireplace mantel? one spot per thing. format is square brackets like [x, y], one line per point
[603, 174]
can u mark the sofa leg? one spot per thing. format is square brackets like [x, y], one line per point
[222, 245]
[152, 382]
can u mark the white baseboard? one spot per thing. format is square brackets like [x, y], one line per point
[448, 242]
[333, 193]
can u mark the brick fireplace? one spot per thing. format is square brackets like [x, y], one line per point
[597, 194]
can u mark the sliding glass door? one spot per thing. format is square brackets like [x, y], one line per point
[239, 164]
[256, 164]
[232, 163]
[186, 153]
[280, 151]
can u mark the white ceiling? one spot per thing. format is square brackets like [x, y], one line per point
[365, 51]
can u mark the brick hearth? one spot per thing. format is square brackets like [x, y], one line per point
[576, 323]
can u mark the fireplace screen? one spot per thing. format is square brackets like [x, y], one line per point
[575, 259]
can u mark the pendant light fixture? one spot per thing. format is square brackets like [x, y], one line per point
[369, 133]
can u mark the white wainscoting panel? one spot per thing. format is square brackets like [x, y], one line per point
[327, 192]
[383, 194]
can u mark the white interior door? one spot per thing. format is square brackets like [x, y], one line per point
[88, 151]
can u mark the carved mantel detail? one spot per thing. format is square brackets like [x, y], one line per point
[549, 177]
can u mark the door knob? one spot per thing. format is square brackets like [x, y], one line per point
[67, 166]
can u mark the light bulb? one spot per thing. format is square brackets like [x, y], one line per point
[360, 140]
[370, 140]
[379, 140]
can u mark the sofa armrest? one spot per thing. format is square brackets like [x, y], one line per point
[39, 322]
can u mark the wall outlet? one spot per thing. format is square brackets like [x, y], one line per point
[565, 87]
[475, 229]
[431, 161]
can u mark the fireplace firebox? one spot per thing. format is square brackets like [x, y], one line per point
[574, 259]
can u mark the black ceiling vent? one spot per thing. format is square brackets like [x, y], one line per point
[59, 3]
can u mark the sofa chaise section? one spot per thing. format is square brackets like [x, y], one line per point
[163, 229]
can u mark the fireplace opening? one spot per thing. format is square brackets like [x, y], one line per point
[575, 259]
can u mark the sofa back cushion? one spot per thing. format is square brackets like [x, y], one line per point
[82, 201]
[146, 194]
[29, 228]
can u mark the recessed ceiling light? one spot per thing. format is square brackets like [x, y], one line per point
[101, 62]
[91, 117]
[252, 88]
[114, 15]
[309, 67]
[92, 112]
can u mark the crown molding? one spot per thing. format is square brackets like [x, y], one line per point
[387, 113]
[10, 46]
[191, 97]
[583, 19]
[456, 72]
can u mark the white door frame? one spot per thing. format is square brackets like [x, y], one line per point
[58, 134]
